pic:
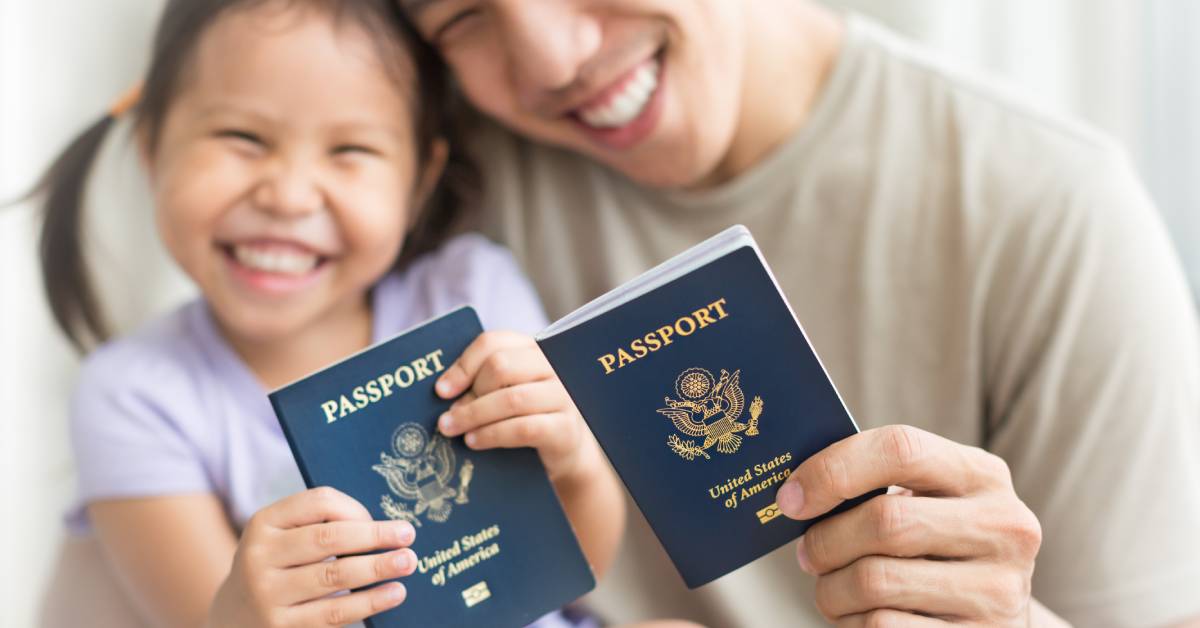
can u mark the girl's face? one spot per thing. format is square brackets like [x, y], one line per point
[284, 171]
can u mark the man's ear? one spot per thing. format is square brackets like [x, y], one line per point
[429, 175]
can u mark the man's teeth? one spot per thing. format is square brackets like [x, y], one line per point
[274, 260]
[626, 105]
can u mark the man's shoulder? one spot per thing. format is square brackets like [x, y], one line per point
[952, 101]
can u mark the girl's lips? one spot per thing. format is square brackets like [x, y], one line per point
[630, 125]
[286, 259]
[273, 270]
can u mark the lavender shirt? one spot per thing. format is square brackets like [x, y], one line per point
[172, 410]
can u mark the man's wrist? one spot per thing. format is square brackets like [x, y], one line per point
[1042, 617]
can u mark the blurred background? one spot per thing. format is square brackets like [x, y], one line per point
[1129, 67]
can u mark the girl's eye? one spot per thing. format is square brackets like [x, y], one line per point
[240, 135]
[354, 149]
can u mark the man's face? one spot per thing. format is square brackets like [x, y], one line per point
[652, 88]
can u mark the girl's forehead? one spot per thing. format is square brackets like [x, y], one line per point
[302, 58]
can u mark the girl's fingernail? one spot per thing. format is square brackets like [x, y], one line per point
[445, 423]
[469, 439]
[403, 560]
[395, 592]
[443, 386]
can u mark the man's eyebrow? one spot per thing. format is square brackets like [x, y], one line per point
[416, 6]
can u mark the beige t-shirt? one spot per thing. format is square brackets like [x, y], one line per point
[962, 263]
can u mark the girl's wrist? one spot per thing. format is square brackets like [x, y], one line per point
[588, 464]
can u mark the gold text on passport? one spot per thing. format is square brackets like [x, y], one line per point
[465, 553]
[663, 336]
[754, 480]
[381, 386]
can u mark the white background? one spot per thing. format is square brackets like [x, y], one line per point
[1128, 66]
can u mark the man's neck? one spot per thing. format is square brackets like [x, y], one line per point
[788, 43]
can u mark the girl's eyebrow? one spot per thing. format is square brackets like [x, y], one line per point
[354, 126]
[345, 125]
[223, 108]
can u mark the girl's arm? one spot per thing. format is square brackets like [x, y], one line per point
[169, 553]
[592, 499]
[179, 560]
[510, 397]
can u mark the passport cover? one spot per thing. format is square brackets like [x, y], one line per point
[705, 394]
[493, 545]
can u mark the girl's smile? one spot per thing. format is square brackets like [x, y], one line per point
[273, 267]
[280, 200]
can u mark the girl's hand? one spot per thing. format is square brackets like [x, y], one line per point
[511, 398]
[283, 573]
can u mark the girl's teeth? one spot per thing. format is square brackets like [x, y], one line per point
[274, 260]
[625, 106]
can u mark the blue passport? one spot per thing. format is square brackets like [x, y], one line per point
[705, 394]
[493, 544]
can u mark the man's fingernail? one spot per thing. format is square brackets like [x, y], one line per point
[802, 558]
[790, 499]
[403, 560]
[446, 423]
[395, 592]
[405, 532]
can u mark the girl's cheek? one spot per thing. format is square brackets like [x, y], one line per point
[379, 206]
[205, 180]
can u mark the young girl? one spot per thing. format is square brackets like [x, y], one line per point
[298, 156]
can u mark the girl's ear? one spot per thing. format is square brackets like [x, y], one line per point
[145, 151]
[431, 173]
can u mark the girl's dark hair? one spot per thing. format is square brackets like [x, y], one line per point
[68, 286]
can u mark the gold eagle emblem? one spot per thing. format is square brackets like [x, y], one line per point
[422, 472]
[709, 408]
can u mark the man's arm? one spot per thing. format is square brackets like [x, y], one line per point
[1091, 362]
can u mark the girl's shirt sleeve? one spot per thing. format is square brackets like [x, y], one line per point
[132, 428]
[471, 269]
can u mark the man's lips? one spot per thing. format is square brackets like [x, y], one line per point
[621, 102]
[623, 118]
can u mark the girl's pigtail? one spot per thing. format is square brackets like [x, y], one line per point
[65, 277]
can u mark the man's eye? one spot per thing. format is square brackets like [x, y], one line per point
[240, 135]
[455, 24]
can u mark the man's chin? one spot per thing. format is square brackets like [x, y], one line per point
[664, 170]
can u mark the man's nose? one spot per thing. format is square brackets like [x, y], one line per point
[548, 42]
[289, 188]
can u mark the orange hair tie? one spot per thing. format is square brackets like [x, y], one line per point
[122, 105]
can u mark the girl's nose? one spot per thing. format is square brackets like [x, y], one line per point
[289, 189]
[547, 42]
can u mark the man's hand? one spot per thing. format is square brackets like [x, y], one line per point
[956, 545]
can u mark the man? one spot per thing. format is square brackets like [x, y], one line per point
[962, 263]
